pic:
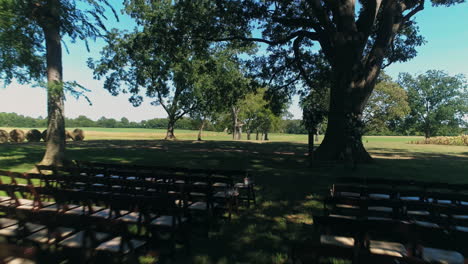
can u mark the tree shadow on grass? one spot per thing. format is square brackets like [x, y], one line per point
[425, 166]
[288, 191]
[20, 156]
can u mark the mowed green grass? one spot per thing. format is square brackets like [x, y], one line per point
[289, 191]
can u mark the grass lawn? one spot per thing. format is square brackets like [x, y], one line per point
[289, 191]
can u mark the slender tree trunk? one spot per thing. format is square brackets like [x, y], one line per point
[311, 145]
[170, 129]
[317, 139]
[55, 147]
[248, 134]
[266, 136]
[256, 137]
[202, 125]
[236, 128]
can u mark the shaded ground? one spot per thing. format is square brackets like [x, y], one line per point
[289, 192]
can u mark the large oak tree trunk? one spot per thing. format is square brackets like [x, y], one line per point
[55, 149]
[348, 96]
[170, 130]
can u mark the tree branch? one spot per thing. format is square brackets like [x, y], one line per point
[297, 56]
[303, 33]
[322, 16]
[367, 18]
[413, 12]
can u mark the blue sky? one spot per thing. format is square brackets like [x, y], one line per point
[445, 29]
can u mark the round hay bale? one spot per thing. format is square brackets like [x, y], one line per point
[34, 135]
[78, 134]
[17, 135]
[69, 135]
[44, 135]
[4, 136]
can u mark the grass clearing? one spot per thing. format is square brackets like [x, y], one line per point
[289, 191]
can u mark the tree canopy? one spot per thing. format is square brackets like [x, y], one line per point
[387, 107]
[438, 101]
[31, 38]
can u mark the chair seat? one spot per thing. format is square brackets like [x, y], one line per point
[50, 208]
[200, 206]
[132, 217]
[442, 256]
[337, 241]
[378, 218]
[75, 210]
[418, 212]
[105, 213]
[167, 220]
[343, 216]
[426, 224]
[113, 245]
[197, 194]
[379, 196]
[219, 184]
[44, 236]
[80, 239]
[5, 222]
[410, 198]
[13, 230]
[462, 228]
[387, 248]
[4, 198]
[380, 209]
[348, 194]
[19, 261]
[23, 203]
[347, 206]
[242, 185]
[227, 194]
[461, 217]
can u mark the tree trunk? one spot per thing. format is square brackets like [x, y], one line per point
[248, 134]
[170, 129]
[256, 137]
[311, 146]
[348, 96]
[55, 147]
[236, 128]
[317, 139]
[266, 136]
[201, 130]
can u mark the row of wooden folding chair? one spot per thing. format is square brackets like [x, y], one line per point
[404, 183]
[390, 241]
[241, 179]
[437, 197]
[117, 209]
[203, 196]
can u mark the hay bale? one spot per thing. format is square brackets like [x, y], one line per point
[44, 135]
[17, 135]
[78, 134]
[34, 135]
[69, 135]
[4, 136]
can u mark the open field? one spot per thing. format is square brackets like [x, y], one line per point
[289, 191]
